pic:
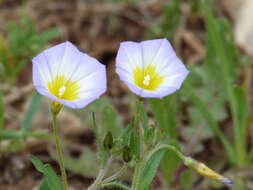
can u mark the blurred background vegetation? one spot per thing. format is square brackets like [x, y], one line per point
[209, 118]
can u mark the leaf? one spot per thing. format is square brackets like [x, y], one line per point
[167, 27]
[111, 121]
[150, 169]
[14, 134]
[144, 118]
[204, 110]
[50, 34]
[186, 179]
[51, 179]
[1, 114]
[170, 163]
[165, 114]
[44, 185]
[32, 109]
[116, 185]
[242, 105]
[223, 43]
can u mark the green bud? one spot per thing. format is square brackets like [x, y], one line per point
[149, 136]
[127, 154]
[56, 107]
[108, 141]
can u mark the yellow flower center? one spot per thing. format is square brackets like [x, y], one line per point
[147, 78]
[63, 89]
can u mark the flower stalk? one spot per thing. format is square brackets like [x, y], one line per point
[55, 109]
[102, 172]
[138, 147]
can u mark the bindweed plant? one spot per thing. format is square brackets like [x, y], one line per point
[150, 69]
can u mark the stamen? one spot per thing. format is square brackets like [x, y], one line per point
[62, 90]
[146, 80]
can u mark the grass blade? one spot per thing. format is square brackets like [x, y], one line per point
[32, 109]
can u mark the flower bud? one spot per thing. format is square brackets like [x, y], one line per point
[127, 154]
[205, 171]
[56, 107]
[108, 141]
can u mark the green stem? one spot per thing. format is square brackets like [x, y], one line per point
[137, 174]
[168, 147]
[117, 185]
[102, 172]
[59, 152]
[137, 138]
[116, 175]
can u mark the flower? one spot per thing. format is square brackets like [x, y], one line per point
[68, 76]
[150, 68]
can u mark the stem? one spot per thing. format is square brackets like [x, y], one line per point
[168, 147]
[137, 174]
[116, 175]
[101, 174]
[137, 138]
[116, 185]
[59, 153]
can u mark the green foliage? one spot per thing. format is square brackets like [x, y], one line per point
[31, 111]
[51, 180]
[220, 35]
[170, 21]
[108, 141]
[150, 170]
[165, 114]
[111, 121]
[1, 114]
[21, 44]
[116, 185]
[186, 180]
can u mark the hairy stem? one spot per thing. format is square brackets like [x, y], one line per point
[102, 172]
[59, 153]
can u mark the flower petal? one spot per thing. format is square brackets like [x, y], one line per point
[129, 56]
[157, 52]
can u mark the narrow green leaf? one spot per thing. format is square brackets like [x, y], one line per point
[186, 180]
[165, 114]
[144, 118]
[37, 164]
[242, 105]
[1, 114]
[125, 136]
[14, 134]
[50, 34]
[32, 109]
[111, 121]
[150, 170]
[203, 109]
[50, 177]
[116, 185]
[44, 185]
[222, 47]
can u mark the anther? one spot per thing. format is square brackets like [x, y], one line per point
[146, 80]
[62, 90]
